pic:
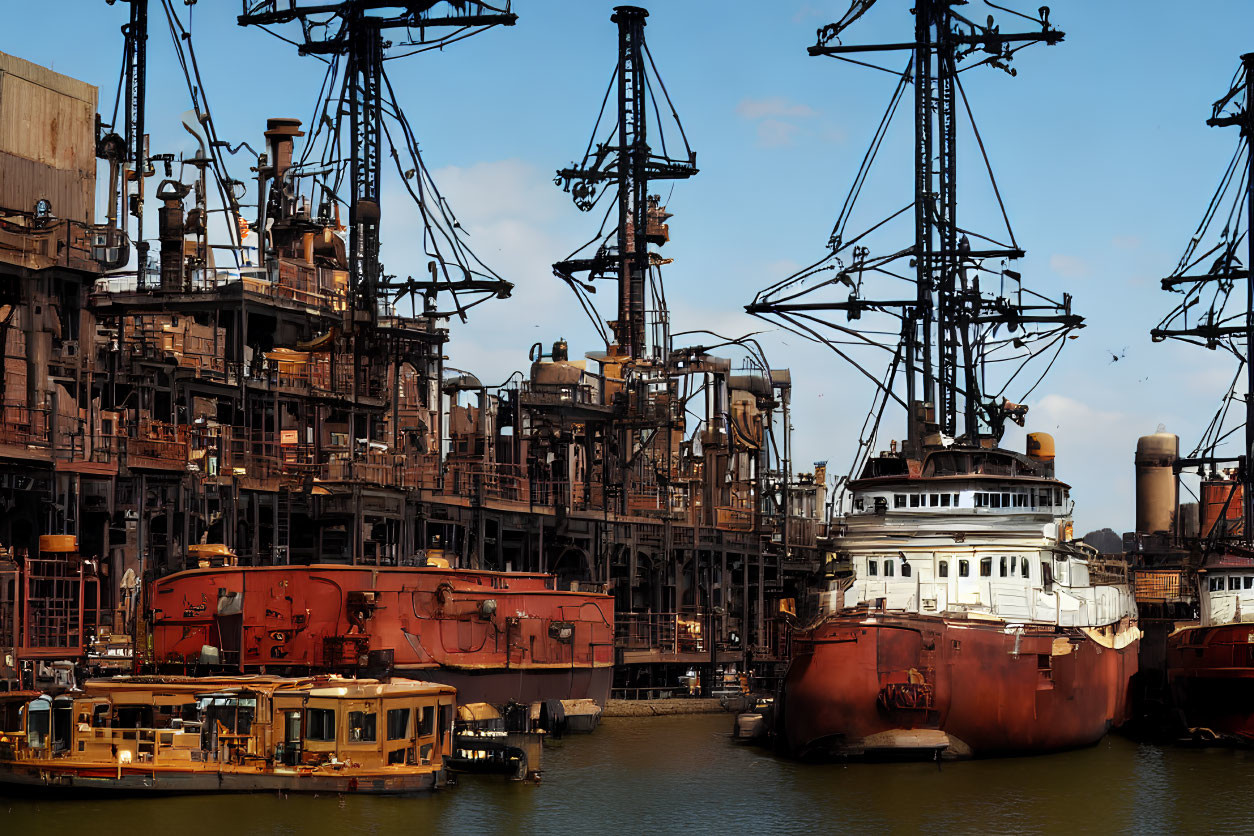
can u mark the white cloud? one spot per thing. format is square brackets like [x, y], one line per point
[773, 133]
[1069, 266]
[774, 106]
[518, 223]
[773, 117]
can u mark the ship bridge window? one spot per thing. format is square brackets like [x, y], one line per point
[1234, 582]
[905, 569]
[942, 569]
[1023, 566]
[986, 566]
[872, 567]
[1021, 500]
[899, 500]
[427, 724]
[914, 500]
[964, 568]
[934, 500]
[945, 500]
[320, 724]
[361, 726]
[1001, 568]
[398, 723]
[888, 568]
[1249, 582]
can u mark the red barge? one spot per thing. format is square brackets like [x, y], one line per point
[495, 636]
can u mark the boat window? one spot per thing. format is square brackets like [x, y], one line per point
[942, 569]
[1234, 582]
[944, 500]
[934, 500]
[1043, 499]
[1021, 500]
[1005, 500]
[1023, 566]
[994, 500]
[905, 569]
[1249, 582]
[1001, 569]
[955, 500]
[899, 500]
[398, 723]
[1212, 584]
[427, 726]
[981, 499]
[964, 568]
[872, 567]
[888, 568]
[986, 566]
[320, 724]
[361, 726]
[914, 500]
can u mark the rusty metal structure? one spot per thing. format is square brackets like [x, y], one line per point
[289, 404]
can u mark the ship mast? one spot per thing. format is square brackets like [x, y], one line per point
[1215, 328]
[944, 322]
[628, 161]
[360, 39]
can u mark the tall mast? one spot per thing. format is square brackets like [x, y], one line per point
[1214, 327]
[633, 179]
[941, 324]
[630, 162]
[360, 38]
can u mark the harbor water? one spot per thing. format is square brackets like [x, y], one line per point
[683, 774]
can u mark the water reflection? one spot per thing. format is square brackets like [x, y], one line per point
[671, 774]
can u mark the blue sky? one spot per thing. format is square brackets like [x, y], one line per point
[1100, 147]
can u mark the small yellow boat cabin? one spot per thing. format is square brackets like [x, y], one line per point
[229, 734]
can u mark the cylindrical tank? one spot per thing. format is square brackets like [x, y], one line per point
[1041, 447]
[58, 543]
[1222, 500]
[1157, 490]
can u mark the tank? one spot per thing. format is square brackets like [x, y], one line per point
[1157, 490]
[1223, 504]
[1041, 447]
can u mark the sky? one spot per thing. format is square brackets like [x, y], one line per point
[1099, 145]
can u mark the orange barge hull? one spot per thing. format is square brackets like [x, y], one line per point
[496, 636]
[920, 686]
[1211, 674]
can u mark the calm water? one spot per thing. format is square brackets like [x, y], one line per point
[681, 774]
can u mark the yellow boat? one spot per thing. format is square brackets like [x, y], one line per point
[137, 735]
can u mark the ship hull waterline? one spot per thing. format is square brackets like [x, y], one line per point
[41, 778]
[932, 687]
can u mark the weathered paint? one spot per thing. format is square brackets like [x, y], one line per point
[495, 636]
[857, 683]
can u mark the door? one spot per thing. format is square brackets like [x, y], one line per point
[292, 737]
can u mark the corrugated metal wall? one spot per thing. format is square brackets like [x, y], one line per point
[47, 140]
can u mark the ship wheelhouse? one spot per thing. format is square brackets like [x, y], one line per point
[1227, 590]
[969, 531]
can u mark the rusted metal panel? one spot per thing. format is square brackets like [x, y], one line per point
[47, 142]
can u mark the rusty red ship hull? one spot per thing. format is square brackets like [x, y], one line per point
[927, 686]
[1211, 674]
[495, 636]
